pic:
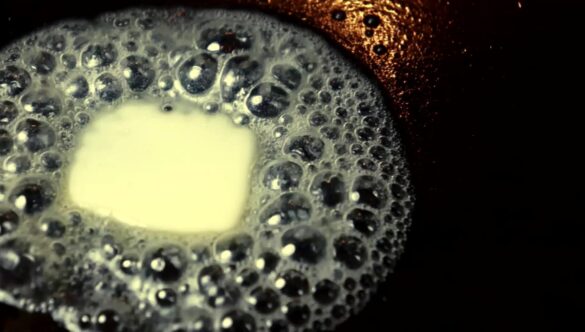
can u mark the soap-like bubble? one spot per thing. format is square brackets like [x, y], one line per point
[108, 87]
[239, 73]
[307, 244]
[283, 176]
[287, 75]
[350, 251]
[9, 221]
[363, 221]
[42, 102]
[33, 195]
[226, 39]
[165, 264]
[288, 208]
[264, 300]
[42, 63]
[267, 100]
[329, 201]
[35, 135]
[197, 74]
[77, 87]
[306, 147]
[138, 72]
[14, 80]
[292, 283]
[326, 291]
[8, 112]
[6, 142]
[98, 55]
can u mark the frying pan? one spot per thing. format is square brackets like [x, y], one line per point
[484, 253]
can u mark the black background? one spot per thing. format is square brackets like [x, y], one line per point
[498, 228]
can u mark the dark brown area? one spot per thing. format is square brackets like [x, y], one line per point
[497, 236]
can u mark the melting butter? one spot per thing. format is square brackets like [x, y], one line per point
[179, 171]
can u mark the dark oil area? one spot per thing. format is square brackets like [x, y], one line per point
[495, 239]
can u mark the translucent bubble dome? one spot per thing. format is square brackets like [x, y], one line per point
[328, 202]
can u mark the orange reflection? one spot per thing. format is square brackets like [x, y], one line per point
[385, 35]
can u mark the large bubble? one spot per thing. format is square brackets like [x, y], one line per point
[329, 203]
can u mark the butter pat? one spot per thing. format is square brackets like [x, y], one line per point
[180, 171]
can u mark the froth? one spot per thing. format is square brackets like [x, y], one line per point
[329, 198]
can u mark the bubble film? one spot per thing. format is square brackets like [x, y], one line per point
[330, 197]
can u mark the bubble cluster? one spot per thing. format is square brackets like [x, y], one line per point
[329, 203]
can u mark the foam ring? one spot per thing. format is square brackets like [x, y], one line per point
[330, 199]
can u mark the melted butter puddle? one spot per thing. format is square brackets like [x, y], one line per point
[179, 171]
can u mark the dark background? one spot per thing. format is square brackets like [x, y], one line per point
[497, 240]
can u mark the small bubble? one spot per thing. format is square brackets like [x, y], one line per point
[33, 195]
[42, 102]
[370, 191]
[304, 244]
[297, 313]
[77, 87]
[121, 22]
[53, 228]
[42, 63]
[8, 112]
[306, 147]
[17, 164]
[82, 118]
[53, 42]
[350, 251]
[247, 278]
[326, 291]
[286, 209]
[372, 21]
[166, 264]
[129, 265]
[317, 119]
[239, 73]
[146, 23]
[166, 297]
[138, 72]
[97, 55]
[9, 221]
[278, 325]
[264, 300]
[198, 73]
[108, 88]
[234, 247]
[165, 83]
[380, 49]
[267, 262]
[225, 40]
[267, 100]
[84, 321]
[14, 80]
[69, 61]
[237, 321]
[107, 321]
[338, 15]
[363, 221]
[329, 188]
[292, 283]
[287, 75]
[283, 176]
[59, 249]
